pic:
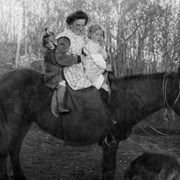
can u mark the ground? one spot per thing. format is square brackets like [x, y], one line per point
[44, 157]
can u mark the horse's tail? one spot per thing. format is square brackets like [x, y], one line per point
[2, 118]
[4, 132]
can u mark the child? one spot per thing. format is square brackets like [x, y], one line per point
[56, 58]
[94, 62]
[49, 39]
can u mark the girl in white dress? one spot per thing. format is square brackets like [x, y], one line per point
[95, 60]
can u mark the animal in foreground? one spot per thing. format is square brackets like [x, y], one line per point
[150, 166]
[25, 99]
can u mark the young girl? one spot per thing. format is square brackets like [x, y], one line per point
[55, 59]
[94, 61]
[49, 39]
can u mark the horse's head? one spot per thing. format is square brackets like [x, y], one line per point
[171, 90]
[137, 96]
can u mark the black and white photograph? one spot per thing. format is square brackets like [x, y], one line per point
[89, 89]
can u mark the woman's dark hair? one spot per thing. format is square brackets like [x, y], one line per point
[46, 35]
[77, 15]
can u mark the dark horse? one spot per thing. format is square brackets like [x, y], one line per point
[25, 99]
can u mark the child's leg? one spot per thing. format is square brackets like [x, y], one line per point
[99, 82]
[106, 87]
[105, 84]
[61, 89]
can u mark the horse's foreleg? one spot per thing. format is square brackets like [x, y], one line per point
[3, 170]
[109, 163]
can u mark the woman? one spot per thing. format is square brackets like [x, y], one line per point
[76, 23]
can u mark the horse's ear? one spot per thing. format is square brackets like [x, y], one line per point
[110, 77]
[179, 71]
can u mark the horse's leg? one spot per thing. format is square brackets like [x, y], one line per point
[109, 155]
[14, 153]
[109, 162]
[17, 170]
[3, 170]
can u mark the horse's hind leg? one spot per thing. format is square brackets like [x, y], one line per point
[3, 170]
[15, 161]
[17, 170]
[14, 154]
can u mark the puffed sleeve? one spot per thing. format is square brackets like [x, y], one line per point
[62, 57]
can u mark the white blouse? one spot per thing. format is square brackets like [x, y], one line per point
[77, 42]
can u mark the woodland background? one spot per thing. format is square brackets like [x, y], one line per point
[143, 36]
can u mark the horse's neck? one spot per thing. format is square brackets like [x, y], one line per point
[139, 97]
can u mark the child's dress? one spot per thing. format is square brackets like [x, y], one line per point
[94, 63]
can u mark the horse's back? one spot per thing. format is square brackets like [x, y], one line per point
[19, 77]
[23, 94]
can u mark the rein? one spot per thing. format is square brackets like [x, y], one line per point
[164, 88]
[177, 95]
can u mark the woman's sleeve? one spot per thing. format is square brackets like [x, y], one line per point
[67, 59]
[64, 59]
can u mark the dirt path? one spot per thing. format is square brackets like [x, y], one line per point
[44, 157]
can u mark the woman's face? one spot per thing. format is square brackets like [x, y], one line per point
[78, 26]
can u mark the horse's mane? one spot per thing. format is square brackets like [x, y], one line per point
[29, 72]
[137, 77]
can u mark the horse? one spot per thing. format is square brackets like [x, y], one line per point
[25, 99]
[150, 166]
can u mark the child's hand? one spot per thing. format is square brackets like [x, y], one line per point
[85, 52]
[109, 67]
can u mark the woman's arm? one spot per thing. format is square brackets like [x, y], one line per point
[61, 53]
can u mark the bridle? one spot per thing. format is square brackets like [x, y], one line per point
[164, 88]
